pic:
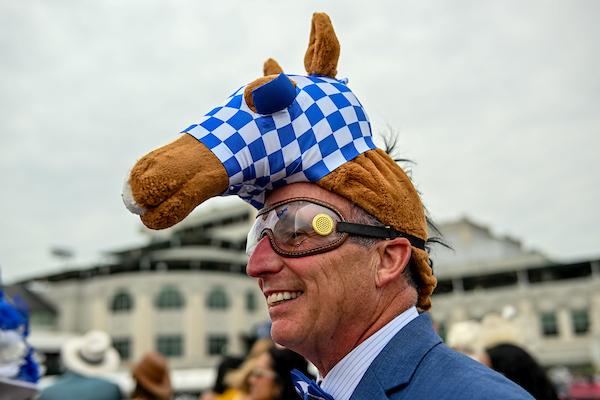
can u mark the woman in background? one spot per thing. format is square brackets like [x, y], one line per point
[270, 377]
[517, 365]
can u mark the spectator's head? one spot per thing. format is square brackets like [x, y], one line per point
[152, 379]
[465, 337]
[520, 367]
[270, 377]
[90, 355]
[239, 377]
[227, 365]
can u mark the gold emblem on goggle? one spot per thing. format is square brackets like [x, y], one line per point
[322, 224]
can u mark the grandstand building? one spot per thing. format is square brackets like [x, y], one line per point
[556, 305]
[185, 293]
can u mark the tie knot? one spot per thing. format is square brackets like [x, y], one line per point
[307, 388]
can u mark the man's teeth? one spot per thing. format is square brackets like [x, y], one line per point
[281, 296]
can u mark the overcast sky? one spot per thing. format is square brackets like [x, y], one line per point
[497, 102]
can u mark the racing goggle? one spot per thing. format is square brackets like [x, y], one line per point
[303, 226]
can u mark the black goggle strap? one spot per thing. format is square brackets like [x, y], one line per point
[379, 232]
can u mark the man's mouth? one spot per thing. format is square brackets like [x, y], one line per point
[280, 297]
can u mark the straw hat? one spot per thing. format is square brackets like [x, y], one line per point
[91, 354]
[465, 336]
[152, 373]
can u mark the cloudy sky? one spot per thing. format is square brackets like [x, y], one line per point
[497, 102]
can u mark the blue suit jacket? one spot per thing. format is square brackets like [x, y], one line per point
[415, 364]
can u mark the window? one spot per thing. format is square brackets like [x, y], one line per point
[123, 347]
[122, 302]
[218, 299]
[42, 318]
[443, 286]
[560, 272]
[169, 298]
[549, 324]
[250, 301]
[217, 345]
[490, 281]
[170, 345]
[581, 321]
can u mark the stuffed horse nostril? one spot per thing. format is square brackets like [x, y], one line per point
[274, 96]
[129, 201]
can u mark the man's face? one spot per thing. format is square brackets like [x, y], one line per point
[318, 300]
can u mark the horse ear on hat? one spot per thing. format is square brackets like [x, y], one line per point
[280, 129]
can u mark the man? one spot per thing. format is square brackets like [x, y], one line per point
[337, 292]
[87, 360]
[351, 310]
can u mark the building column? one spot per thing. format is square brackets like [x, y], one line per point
[522, 278]
[527, 321]
[595, 327]
[238, 320]
[142, 322]
[99, 313]
[457, 286]
[195, 334]
[565, 328]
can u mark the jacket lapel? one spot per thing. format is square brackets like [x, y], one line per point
[396, 363]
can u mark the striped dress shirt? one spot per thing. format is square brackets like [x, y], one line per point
[343, 378]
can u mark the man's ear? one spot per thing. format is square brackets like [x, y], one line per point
[394, 256]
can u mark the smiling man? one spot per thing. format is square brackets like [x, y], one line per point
[339, 244]
[343, 289]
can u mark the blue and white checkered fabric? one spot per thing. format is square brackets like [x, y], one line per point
[323, 128]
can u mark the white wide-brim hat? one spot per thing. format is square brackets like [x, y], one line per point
[91, 354]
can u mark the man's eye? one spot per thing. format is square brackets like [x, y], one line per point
[295, 238]
[298, 234]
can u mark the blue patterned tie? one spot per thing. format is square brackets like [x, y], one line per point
[307, 388]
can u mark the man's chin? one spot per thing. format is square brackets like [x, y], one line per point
[284, 333]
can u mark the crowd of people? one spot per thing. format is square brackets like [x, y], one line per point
[497, 342]
[264, 374]
[89, 362]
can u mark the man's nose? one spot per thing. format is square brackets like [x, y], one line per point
[263, 260]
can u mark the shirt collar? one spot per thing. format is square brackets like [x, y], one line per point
[343, 378]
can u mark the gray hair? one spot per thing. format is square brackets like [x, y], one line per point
[360, 216]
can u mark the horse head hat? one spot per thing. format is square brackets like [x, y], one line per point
[277, 130]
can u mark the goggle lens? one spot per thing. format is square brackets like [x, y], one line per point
[297, 228]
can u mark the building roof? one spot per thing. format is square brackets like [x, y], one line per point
[476, 249]
[200, 253]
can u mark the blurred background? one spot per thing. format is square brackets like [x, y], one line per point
[495, 102]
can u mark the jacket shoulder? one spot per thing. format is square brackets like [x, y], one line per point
[446, 374]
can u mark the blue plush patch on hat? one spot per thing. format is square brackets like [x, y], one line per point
[274, 95]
